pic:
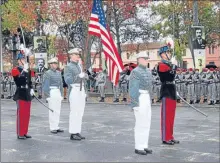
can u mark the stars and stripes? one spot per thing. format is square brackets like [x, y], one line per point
[99, 28]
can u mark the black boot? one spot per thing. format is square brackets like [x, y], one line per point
[140, 152]
[211, 103]
[102, 99]
[116, 100]
[124, 100]
[28, 136]
[217, 102]
[205, 100]
[79, 135]
[170, 142]
[74, 137]
[9, 97]
[197, 101]
[148, 151]
[191, 102]
[175, 141]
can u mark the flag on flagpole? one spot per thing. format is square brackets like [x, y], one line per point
[99, 28]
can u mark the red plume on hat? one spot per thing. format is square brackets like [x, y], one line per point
[190, 69]
[211, 69]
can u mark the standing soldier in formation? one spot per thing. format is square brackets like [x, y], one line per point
[157, 87]
[74, 77]
[12, 87]
[190, 86]
[178, 82]
[211, 86]
[53, 91]
[116, 92]
[101, 81]
[167, 71]
[153, 88]
[197, 81]
[218, 86]
[124, 78]
[24, 91]
[204, 85]
[183, 93]
[140, 84]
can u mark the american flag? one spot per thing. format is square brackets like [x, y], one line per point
[98, 27]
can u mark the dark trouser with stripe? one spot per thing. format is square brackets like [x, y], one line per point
[167, 118]
[23, 117]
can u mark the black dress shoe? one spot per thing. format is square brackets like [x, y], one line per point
[54, 131]
[9, 97]
[74, 137]
[21, 137]
[28, 136]
[168, 142]
[102, 99]
[175, 141]
[205, 100]
[197, 101]
[148, 151]
[2, 96]
[140, 152]
[82, 137]
[152, 101]
[116, 100]
[59, 130]
[39, 97]
[191, 101]
[217, 102]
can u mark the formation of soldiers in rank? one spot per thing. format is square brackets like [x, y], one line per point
[192, 85]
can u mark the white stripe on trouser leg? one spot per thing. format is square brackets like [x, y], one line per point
[55, 104]
[77, 106]
[143, 122]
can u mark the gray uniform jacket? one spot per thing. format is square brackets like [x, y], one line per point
[52, 78]
[140, 79]
[71, 74]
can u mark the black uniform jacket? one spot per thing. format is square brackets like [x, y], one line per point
[23, 82]
[167, 76]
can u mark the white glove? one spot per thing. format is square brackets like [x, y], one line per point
[26, 66]
[82, 75]
[32, 92]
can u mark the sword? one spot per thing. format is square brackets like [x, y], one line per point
[191, 105]
[43, 103]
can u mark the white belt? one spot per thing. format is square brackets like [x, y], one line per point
[143, 91]
[54, 87]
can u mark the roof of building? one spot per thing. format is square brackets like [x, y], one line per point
[141, 46]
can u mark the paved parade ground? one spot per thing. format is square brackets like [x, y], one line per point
[109, 136]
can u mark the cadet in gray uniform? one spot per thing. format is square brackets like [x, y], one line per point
[140, 84]
[218, 86]
[211, 86]
[178, 83]
[204, 85]
[190, 86]
[197, 82]
[52, 87]
[153, 88]
[116, 93]
[157, 87]
[101, 81]
[183, 92]
[75, 78]
[124, 85]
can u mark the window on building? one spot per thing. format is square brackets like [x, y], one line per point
[209, 50]
[128, 55]
[185, 64]
[213, 50]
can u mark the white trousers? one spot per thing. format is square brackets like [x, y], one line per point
[77, 101]
[143, 121]
[54, 102]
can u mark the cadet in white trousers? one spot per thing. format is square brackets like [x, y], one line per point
[52, 87]
[139, 90]
[74, 77]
